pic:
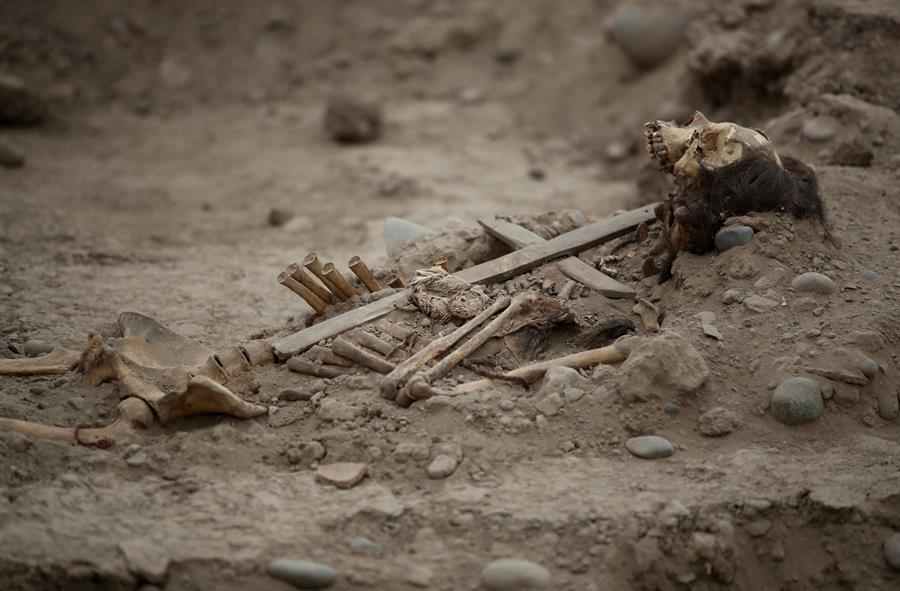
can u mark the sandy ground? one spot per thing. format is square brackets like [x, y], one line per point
[150, 189]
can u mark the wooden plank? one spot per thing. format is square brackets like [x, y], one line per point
[573, 267]
[499, 269]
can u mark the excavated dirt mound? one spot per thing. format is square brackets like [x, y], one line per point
[171, 132]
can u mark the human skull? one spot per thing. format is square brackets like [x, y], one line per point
[685, 151]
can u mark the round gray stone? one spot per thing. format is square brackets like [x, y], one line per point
[868, 367]
[398, 232]
[650, 447]
[731, 236]
[510, 574]
[797, 401]
[814, 283]
[648, 35]
[302, 574]
[820, 129]
[670, 408]
[869, 274]
[892, 551]
[37, 348]
[441, 467]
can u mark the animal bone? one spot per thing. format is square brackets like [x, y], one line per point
[312, 263]
[566, 292]
[393, 280]
[301, 290]
[133, 414]
[649, 314]
[60, 360]
[328, 356]
[354, 353]
[370, 341]
[524, 310]
[398, 331]
[441, 262]
[321, 371]
[360, 269]
[390, 384]
[609, 354]
[723, 170]
[297, 272]
[333, 275]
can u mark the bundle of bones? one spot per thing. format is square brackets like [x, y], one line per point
[721, 171]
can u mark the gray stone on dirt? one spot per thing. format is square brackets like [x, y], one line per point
[361, 545]
[756, 303]
[650, 447]
[711, 331]
[706, 317]
[661, 367]
[888, 405]
[35, 348]
[648, 34]
[892, 551]
[145, 559]
[342, 474]
[10, 156]
[76, 402]
[399, 232]
[870, 275]
[869, 367]
[550, 405]
[731, 295]
[557, 379]
[820, 129]
[573, 394]
[335, 410]
[137, 459]
[796, 401]
[302, 574]
[731, 236]
[418, 452]
[813, 282]
[670, 408]
[718, 421]
[510, 574]
[441, 467]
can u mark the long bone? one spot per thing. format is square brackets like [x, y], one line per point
[301, 290]
[335, 276]
[313, 263]
[298, 273]
[58, 361]
[134, 414]
[391, 383]
[353, 352]
[370, 341]
[362, 271]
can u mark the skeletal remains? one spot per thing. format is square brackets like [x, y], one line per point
[721, 170]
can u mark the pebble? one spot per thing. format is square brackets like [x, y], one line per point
[146, 559]
[507, 404]
[76, 402]
[820, 129]
[137, 459]
[573, 394]
[868, 367]
[511, 574]
[10, 157]
[342, 474]
[706, 317]
[279, 216]
[550, 405]
[814, 283]
[731, 236]
[36, 348]
[870, 275]
[471, 95]
[796, 401]
[616, 151]
[292, 395]
[302, 574]
[648, 35]
[718, 421]
[441, 467]
[892, 551]
[398, 232]
[670, 408]
[650, 447]
[756, 303]
[731, 296]
[888, 405]
[711, 331]
[361, 545]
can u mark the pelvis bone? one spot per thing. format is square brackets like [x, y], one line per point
[160, 373]
[723, 170]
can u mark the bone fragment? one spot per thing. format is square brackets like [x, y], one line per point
[303, 366]
[442, 263]
[370, 341]
[360, 269]
[233, 361]
[353, 352]
[133, 414]
[333, 275]
[535, 371]
[641, 233]
[391, 383]
[328, 356]
[301, 290]
[60, 360]
[204, 396]
[298, 273]
[393, 280]
[257, 352]
[312, 263]
[649, 314]
[398, 331]
[566, 292]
